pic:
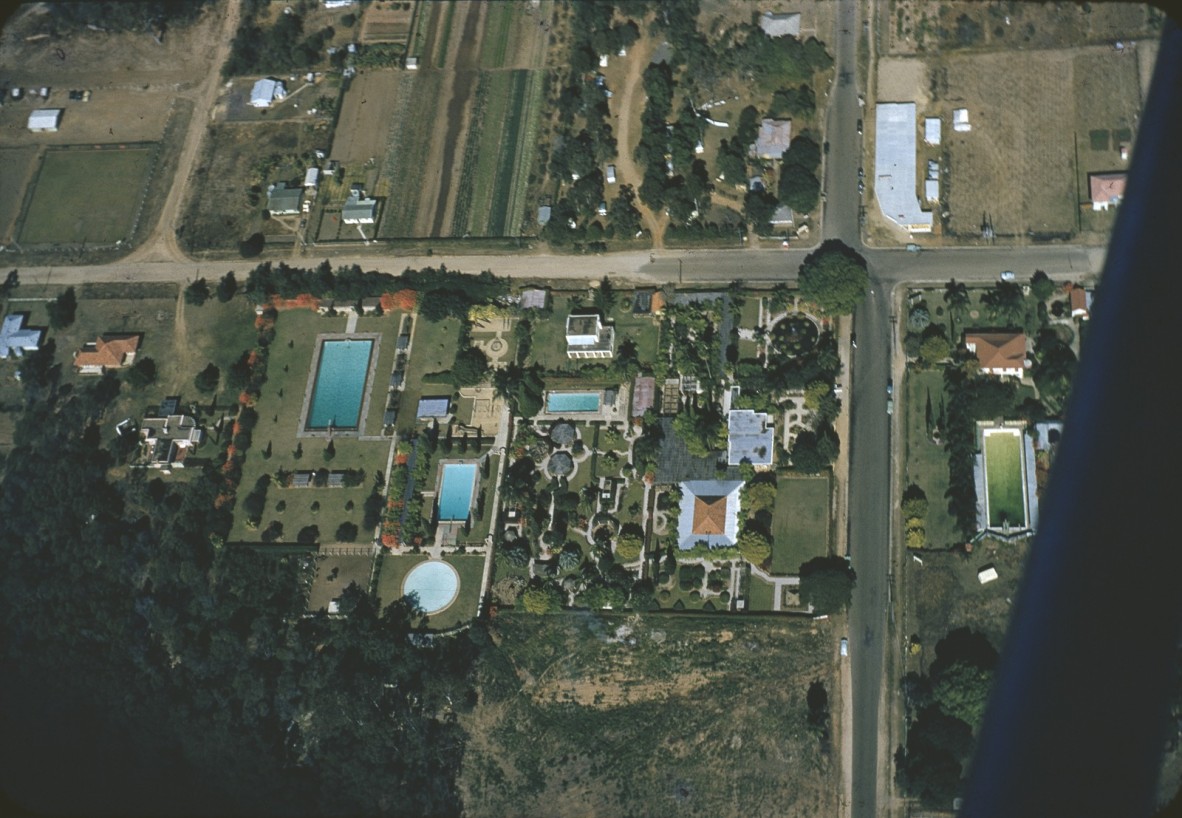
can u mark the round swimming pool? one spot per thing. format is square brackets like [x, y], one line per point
[435, 582]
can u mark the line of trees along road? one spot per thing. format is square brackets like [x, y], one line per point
[168, 673]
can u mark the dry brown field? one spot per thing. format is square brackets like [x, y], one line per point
[387, 22]
[366, 112]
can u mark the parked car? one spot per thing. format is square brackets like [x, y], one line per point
[859, 127]
[1008, 275]
[845, 646]
[890, 386]
[890, 406]
[913, 248]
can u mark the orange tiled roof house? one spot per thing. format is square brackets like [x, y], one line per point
[110, 351]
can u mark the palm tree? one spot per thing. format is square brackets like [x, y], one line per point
[1005, 303]
[956, 296]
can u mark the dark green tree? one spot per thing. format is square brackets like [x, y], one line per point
[834, 277]
[197, 293]
[207, 379]
[227, 286]
[63, 309]
[826, 583]
[142, 373]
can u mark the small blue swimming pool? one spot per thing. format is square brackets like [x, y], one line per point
[572, 402]
[434, 582]
[340, 384]
[455, 491]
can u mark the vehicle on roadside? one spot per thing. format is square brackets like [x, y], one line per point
[913, 248]
[861, 187]
[890, 386]
[844, 646]
[861, 173]
[890, 406]
[1008, 275]
[859, 127]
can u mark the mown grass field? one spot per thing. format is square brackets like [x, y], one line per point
[926, 463]
[800, 524]
[86, 196]
[279, 408]
[586, 714]
[16, 169]
[1003, 476]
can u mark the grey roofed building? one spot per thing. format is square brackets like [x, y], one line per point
[642, 302]
[751, 436]
[358, 210]
[775, 135]
[336, 479]
[266, 91]
[709, 513]
[15, 338]
[782, 215]
[283, 200]
[894, 166]
[433, 408]
[780, 25]
[170, 405]
[301, 479]
[168, 440]
[45, 119]
[644, 395]
[544, 214]
[534, 299]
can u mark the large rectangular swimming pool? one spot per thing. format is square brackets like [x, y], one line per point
[340, 384]
[455, 491]
[572, 402]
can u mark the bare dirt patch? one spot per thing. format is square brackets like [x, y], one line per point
[366, 113]
[387, 22]
[1017, 164]
[902, 79]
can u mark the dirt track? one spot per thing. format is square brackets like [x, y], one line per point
[628, 135]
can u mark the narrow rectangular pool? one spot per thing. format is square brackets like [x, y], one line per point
[572, 402]
[455, 491]
[340, 384]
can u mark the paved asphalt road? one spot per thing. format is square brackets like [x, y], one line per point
[869, 445]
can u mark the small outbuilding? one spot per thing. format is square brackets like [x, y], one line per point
[283, 200]
[774, 137]
[931, 130]
[45, 120]
[960, 120]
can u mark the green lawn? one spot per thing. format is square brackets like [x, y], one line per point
[800, 524]
[279, 409]
[86, 196]
[387, 325]
[761, 596]
[926, 464]
[548, 345]
[1003, 475]
[432, 351]
[470, 567]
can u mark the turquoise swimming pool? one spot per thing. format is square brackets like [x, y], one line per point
[435, 583]
[340, 384]
[572, 402]
[455, 491]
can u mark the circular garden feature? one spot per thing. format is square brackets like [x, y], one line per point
[560, 464]
[562, 434]
[794, 335]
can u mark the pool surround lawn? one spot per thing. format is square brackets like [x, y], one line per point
[469, 567]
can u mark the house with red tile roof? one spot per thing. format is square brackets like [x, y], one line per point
[709, 513]
[111, 351]
[1081, 303]
[999, 353]
[1106, 189]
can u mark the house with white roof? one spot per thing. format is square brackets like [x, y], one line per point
[894, 166]
[751, 437]
[931, 130]
[588, 337]
[45, 120]
[16, 339]
[783, 24]
[266, 91]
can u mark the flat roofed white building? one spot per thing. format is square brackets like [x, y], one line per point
[45, 120]
[894, 166]
[931, 130]
[960, 120]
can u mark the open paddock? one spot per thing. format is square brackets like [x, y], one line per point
[16, 171]
[83, 196]
[367, 111]
[387, 22]
[111, 114]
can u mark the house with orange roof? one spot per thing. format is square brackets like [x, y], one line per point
[111, 351]
[709, 513]
[999, 353]
[1081, 303]
[1106, 189]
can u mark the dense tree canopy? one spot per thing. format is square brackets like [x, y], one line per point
[834, 277]
[826, 583]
